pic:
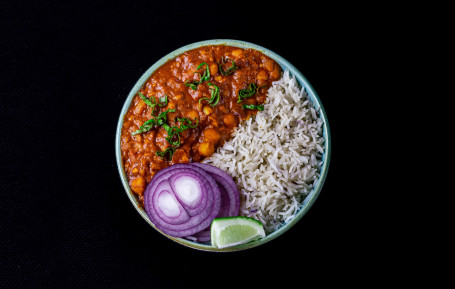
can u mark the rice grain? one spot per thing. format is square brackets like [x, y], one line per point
[275, 157]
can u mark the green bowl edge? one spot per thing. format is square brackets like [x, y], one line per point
[286, 65]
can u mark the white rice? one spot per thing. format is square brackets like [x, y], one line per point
[275, 157]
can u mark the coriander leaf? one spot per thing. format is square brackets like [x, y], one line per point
[148, 125]
[190, 123]
[230, 70]
[192, 85]
[215, 94]
[245, 93]
[163, 101]
[214, 97]
[252, 106]
[204, 98]
[160, 120]
[205, 77]
[163, 115]
[148, 101]
[169, 150]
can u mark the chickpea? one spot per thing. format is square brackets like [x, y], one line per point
[178, 96]
[135, 146]
[171, 116]
[138, 138]
[275, 74]
[239, 75]
[229, 120]
[213, 121]
[192, 114]
[125, 146]
[213, 69]
[207, 110]
[218, 78]
[195, 94]
[132, 156]
[171, 105]
[156, 164]
[160, 139]
[150, 135]
[180, 156]
[204, 54]
[223, 109]
[138, 185]
[211, 135]
[268, 64]
[137, 123]
[196, 157]
[139, 107]
[262, 75]
[206, 149]
[250, 101]
[237, 53]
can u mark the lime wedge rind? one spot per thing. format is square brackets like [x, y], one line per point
[233, 231]
[240, 242]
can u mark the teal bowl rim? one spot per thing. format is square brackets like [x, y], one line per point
[286, 65]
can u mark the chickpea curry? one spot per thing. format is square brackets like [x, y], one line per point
[190, 106]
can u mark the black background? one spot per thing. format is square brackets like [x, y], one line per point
[67, 69]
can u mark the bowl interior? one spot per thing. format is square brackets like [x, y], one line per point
[310, 198]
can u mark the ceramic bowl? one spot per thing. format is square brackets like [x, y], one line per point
[311, 197]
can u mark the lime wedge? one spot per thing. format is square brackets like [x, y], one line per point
[232, 231]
